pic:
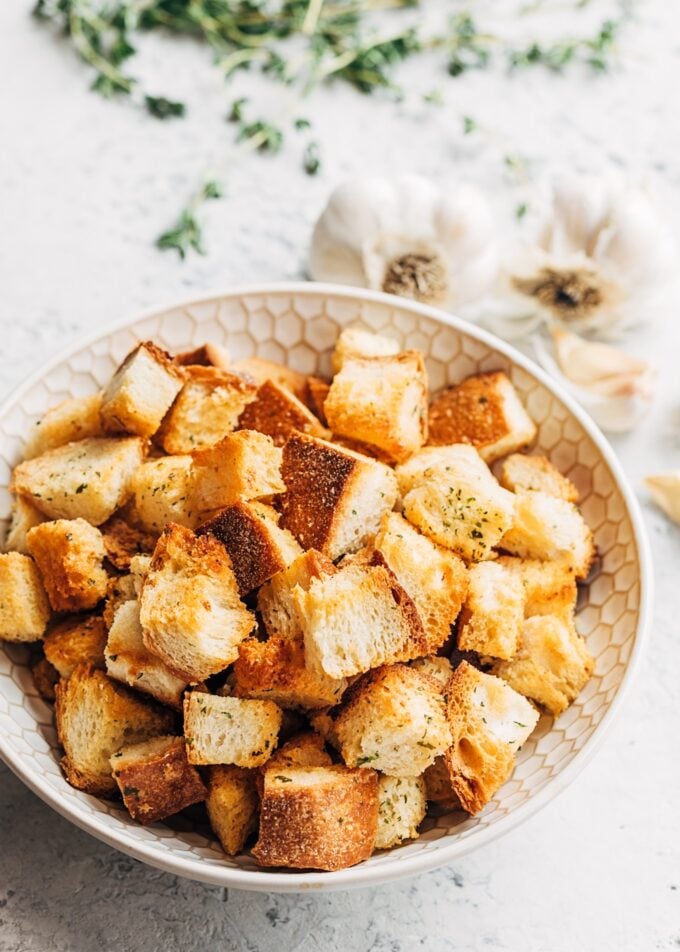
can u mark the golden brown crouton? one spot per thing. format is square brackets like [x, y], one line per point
[119, 589]
[230, 730]
[357, 342]
[276, 601]
[278, 413]
[207, 355]
[435, 668]
[521, 473]
[549, 587]
[483, 410]
[402, 808]
[232, 805]
[492, 615]
[259, 371]
[76, 640]
[141, 391]
[317, 817]
[317, 391]
[123, 542]
[24, 517]
[243, 466]
[69, 554]
[24, 607]
[303, 750]
[438, 787]
[162, 492]
[71, 420]
[45, 678]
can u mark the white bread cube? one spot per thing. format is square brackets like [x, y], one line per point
[436, 668]
[89, 479]
[230, 730]
[552, 664]
[357, 342]
[232, 804]
[141, 391]
[162, 493]
[401, 809]
[335, 498]
[70, 554]
[71, 420]
[483, 410]
[245, 465]
[258, 370]
[24, 517]
[139, 569]
[119, 589]
[190, 611]
[521, 473]
[24, 607]
[306, 749]
[276, 600]
[75, 640]
[549, 587]
[492, 615]
[381, 401]
[278, 413]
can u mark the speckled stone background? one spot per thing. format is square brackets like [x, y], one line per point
[84, 188]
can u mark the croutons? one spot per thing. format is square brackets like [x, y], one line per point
[401, 809]
[521, 473]
[141, 391]
[155, 778]
[129, 660]
[317, 391]
[393, 720]
[483, 410]
[259, 371]
[356, 342]
[45, 678]
[207, 408]
[89, 479]
[229, 730]
[549, 587]
[119, 589]
[381, 401]
[232, 805]
[276, 600]
[257, 546]
[243, 466]
[76, 640]
[438, 787]
[69, 421]
[450, 494]
[70, 554]
[95, 718]
[489, 723]
[437, 669]
[551, 529]
[207, 355]
[279, 413]
[123, 542]
[24, 607]
[492, 615]
[24, 517]
[303, 750]
[434, 577]
[317, 817]
[191, 615]
[162, 493]
[335, 498]
[552, 664]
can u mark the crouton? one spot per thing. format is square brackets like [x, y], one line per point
[552, 664]
[76, 640]
[24, 516]
[317, 391]
[550, 529]
[45, 678]
[434, 577]
[130, 661]
[392, 720]
[119, 589]
[401, 809]
[141, 391]
[492, 615]
[276, 601]
[123, 542]
[70, 554]
[89, 479]
[436, 669]
[450, 494]
[317, 817]
[356, 342]
[278, 413]
[69, 421]
[207, 408]
[232, 805]
[243, 466]
[207, 355]
[162, 493]
[191, 615]
[139, 569]
[549, 587]
[257, 546]
[155, 778]
[230, 730]
[335, 498]
[260, 371]
[521, 473]
[489, 723]
[303, 750]
[24, 606]
[381, 401]
[483, 410]
[95, 718]
[438, 787]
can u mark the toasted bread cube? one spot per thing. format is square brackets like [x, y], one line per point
[130, 661]
[276, 600]
[45, 678]
[492, 615]
[549, 587]
[552, 530]
[521, 473]
[438, 787]
[230, 730]
[85, 480]
[71, 420]
[76, 640]
[393, 720]
[139, 569]
[155, 779]
[24, 517]
[302, 750]
[381, 401]
[141, 391]
[552, 664]
[191, 615]
[232, 805]
[450, 494]
[243, 466]
[257, 546]
[434, 577]
[259, 371]
[207, 408]
[401, 809]
[322, 722]
[279, 413]
[356, 342]
[317, 817]
[119, 589]
[317, 391]
[24, 606]
[95, 718]
[207, 355]
[435, 668]
[489, 723]
[483, 410]
[123, 542]
[70, 554]
[335, 498]
[162, 493]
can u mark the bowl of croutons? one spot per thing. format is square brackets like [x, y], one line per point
[308, 587]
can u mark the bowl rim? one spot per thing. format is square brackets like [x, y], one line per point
[361, 875]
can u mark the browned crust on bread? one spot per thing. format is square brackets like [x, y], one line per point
[76, 640]
[162, 357]
[159, 785]
[232, 804]
[315, 397]
[260, 370]
[470, 412]
[277, 412]
[201, 549]
[65, 552]
[520, 472]
[207, 355]
[45, 678]
[122, 542]
[418, 644]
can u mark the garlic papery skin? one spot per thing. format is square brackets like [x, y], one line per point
[613, 386]
[665, 491]
[407, 236]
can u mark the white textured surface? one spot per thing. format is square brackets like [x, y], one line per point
[84, 188]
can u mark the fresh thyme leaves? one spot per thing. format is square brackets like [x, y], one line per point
[269, 137]
[593, 52]
[187, 233]
[311, 161]
[470, 48]
[163, 108]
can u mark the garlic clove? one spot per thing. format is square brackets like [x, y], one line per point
[665, 491]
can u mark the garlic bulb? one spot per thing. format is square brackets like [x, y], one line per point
[613, 386]
[408, 237]
[665, 491]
